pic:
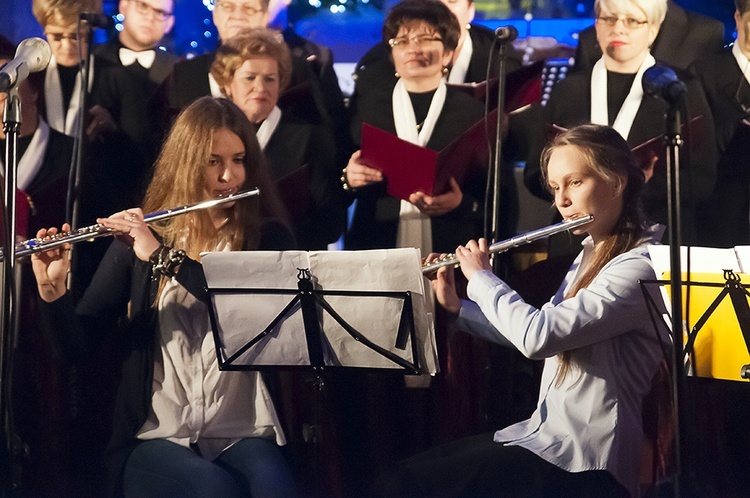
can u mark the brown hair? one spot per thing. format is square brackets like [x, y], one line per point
[608, 156]
[252, 44]
[63, 12]
[432, 12]
[180, 175]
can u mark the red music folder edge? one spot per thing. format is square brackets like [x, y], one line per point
[409, 168]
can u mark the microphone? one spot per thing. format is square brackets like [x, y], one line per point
[506, 33]
[32, 55]
[98, 20]
[660, 81]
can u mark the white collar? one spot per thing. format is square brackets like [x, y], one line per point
[268, 126]
[742, 60]
[406, 122]
[624, 120]
[144, 57]
[215, 88]
[461, 64]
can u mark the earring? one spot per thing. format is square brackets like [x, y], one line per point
[445, 70]
[397, 75]
[468, 25]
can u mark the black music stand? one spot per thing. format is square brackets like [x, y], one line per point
[738, 295]
[312, 328]
[309, 300]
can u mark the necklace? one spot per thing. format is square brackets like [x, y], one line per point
[419, 126]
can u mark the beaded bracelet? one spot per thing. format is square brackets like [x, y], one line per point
[345, 182]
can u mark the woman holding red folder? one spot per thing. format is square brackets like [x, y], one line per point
[422, 109]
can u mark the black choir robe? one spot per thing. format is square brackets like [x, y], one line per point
[376, 216]
[159, 70]
[570, 105]
[723, 217]
[317, 207]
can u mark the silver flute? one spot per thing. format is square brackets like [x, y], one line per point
[49, 242]
[507, 244]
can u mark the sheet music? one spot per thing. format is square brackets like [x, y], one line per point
[242, 316]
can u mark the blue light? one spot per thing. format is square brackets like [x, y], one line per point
[207, 34]
[118, 27]
[315, 3]
[207, 22]
[194, 44]
[120, 17]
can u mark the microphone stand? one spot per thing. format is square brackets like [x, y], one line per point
[496, 172]
[673, 142]
[73, 197]
[11, 445]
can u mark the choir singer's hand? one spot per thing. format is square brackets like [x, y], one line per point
[51, 267]
[444, 285]
[130, 222]
[474, 257]
[437, 205]
[358, 174]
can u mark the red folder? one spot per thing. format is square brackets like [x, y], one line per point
[646, 151]
[522, 87]
[409, 168]
[22, 216]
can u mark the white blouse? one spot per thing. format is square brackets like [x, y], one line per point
[193, 402]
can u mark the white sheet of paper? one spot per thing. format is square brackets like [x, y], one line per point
[241, 316]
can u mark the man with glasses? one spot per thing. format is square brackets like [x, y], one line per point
[725, 216]
[683, 38]
[144, 25]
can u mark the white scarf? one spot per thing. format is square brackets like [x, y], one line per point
[31, 162]
[414, 228]
[461, 64]
[268, 126]
[624, 120]
[54, 100]
[742, 61]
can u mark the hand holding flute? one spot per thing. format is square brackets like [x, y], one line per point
[51, 267]
[472, 257]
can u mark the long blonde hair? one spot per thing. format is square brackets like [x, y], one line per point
[608, 156]
[180, 178]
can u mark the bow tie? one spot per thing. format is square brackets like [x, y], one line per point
[129, 57]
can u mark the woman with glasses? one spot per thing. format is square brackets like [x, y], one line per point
[725, 77]
[61, 104]
[420, 108]
[611, 93]
[253, 68]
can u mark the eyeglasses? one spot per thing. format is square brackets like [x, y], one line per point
[628, 22]
[145, 9]
[246, 9]
[420, 40]
[72, 37]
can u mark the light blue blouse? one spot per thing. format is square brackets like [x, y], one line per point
[592, 421]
